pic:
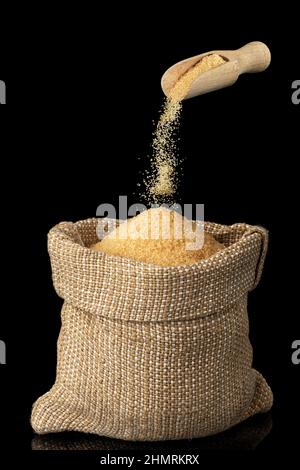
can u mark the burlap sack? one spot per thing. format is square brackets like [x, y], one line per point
[148, 352]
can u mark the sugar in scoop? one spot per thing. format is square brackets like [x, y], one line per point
[188, 78]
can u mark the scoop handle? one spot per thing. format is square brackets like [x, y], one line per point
[253, 57]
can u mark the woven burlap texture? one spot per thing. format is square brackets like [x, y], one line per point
[148, 352]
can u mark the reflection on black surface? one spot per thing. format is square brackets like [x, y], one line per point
[245, 436]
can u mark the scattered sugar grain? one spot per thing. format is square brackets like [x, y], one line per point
[162, 180]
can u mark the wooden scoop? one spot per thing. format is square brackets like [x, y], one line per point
[254, 57]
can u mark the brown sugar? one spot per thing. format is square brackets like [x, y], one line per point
[158, 236]
[183, 85]
[161, 182]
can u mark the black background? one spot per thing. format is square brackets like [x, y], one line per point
[83, 91]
